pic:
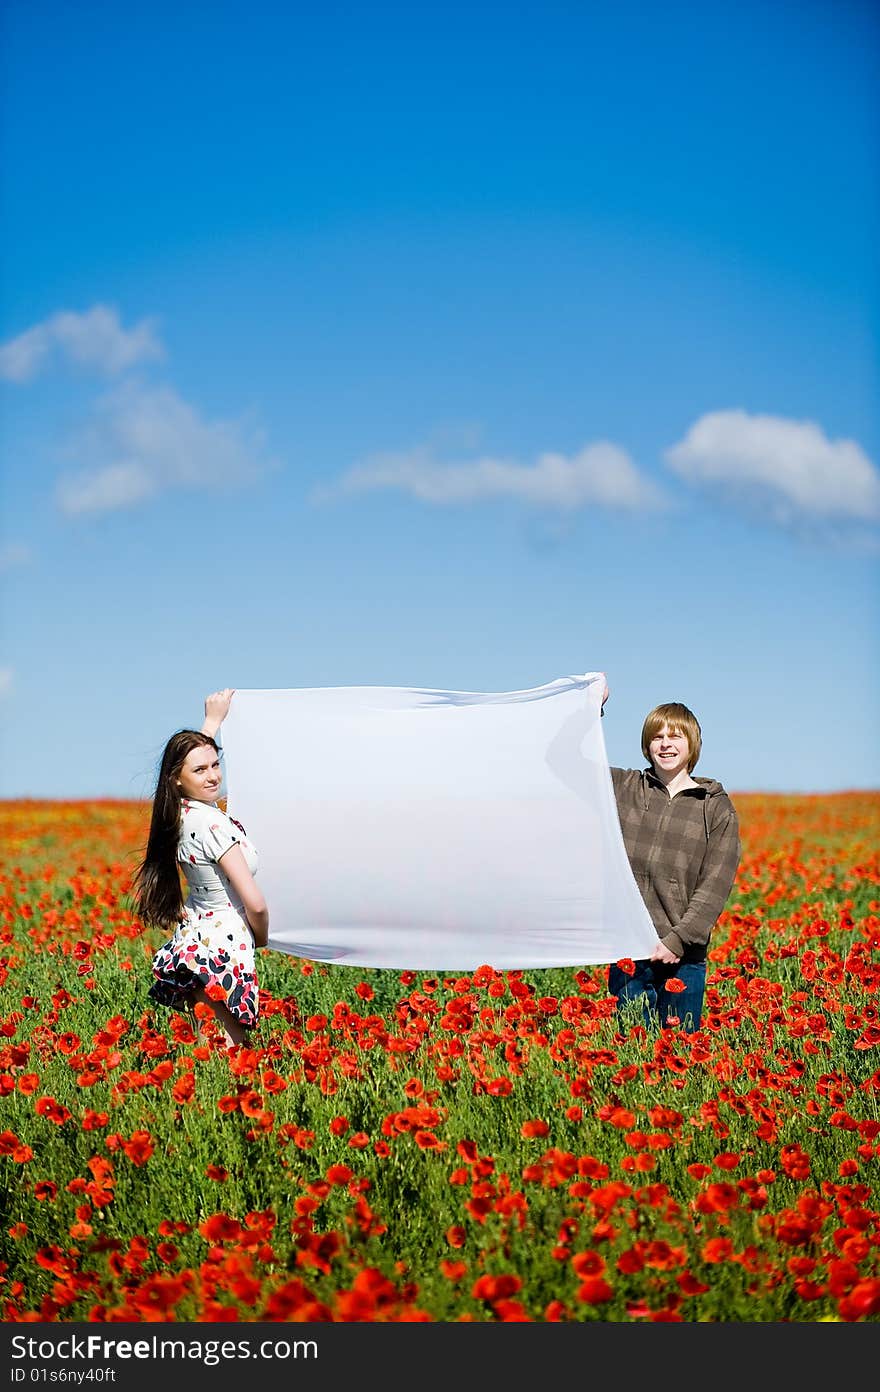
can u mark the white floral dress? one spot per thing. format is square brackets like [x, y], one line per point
[212, 944]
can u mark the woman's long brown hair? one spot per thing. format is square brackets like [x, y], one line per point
[157, 893]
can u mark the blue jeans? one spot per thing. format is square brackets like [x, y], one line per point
[648, 985]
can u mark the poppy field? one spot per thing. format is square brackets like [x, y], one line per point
[485, 1146]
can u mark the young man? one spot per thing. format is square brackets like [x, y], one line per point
[682, 839]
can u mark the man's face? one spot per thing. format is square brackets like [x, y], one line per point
[669, 751]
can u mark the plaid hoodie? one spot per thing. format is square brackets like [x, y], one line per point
[684, 852]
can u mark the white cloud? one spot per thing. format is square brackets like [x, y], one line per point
[105, 490]
[145, 441]
[12, 555]
[95, 339]
[600, 474]
[789, 465]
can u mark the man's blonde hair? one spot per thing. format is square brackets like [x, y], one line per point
[681, 721]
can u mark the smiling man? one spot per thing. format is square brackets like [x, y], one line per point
[682, 838]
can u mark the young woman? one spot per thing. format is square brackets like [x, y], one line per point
[210, 956]
[682, 839]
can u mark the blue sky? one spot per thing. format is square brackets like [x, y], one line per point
[454, 346]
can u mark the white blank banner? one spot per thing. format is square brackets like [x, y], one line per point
[440, 830]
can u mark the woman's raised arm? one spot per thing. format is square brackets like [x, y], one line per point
[216, 710]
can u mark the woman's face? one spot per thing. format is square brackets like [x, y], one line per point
[669, 751]
[200, 776]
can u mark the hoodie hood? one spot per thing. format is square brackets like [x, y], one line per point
[709, 787]
[706, 789]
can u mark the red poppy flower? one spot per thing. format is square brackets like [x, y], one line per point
[53, 1111]
[863, 1300]
[675, 985]
[595, 1291]
[251, 1103]
[220, 1228]
[664, 1117]
[496, 1287]
[499, 1087]
[718, 1198]
[426, 1140]
[530, 1129]
[620, 1117]
[588, 1264]
[184, 1089]
[718, 1249]
[339, 1174]
[139, 1148]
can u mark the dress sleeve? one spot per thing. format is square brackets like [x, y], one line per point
[209, 831]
